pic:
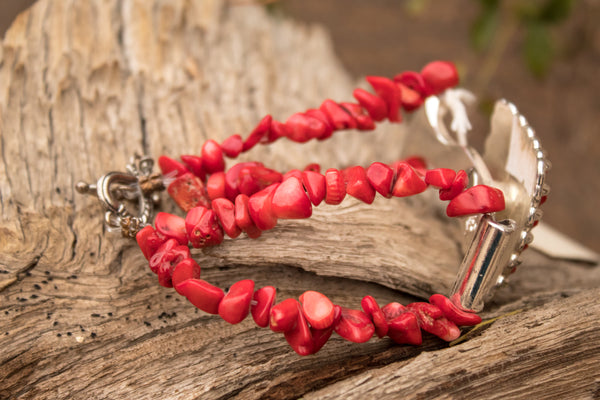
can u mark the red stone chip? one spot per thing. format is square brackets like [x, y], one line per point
[453, 313]
[168, 165]
[290, 200]
[235, 306]
[357, 184]
[284, 316]
[260, 207]
[408, 182]
[262, 301]
[355, 326]
[184, 270]
[381, 177]
[478, 199]
[300, 337]
[202, 294]
[212, 157]
[149, 241]
[336, 188]
[202, 227]
[317, 309]
[314, 183]
[171, 226]
[404, 329]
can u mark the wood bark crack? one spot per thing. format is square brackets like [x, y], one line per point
[20, 274]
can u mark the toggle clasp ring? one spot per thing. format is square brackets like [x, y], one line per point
[115, 188]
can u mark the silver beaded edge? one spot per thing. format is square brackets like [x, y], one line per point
[541, 189]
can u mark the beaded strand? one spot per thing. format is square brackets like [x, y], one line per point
[250, 198]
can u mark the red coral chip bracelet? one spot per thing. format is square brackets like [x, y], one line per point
[250, 198]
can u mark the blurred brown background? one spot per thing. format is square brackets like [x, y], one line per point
[543, 55]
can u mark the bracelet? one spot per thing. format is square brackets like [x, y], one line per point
[499, 195]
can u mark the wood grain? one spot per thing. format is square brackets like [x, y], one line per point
[83, 85]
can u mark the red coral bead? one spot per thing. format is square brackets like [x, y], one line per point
[317, 308]
[414, 81]
[321, 336]
[293, 172]
[424, 310]
[259, 134]
[371, 308]
[284, 316]
[407, 182]
[458, 185]
[225, 211]
[265, 176]
[381, 177]
[168, 165]
[215, 186]
[476, 200]
[188, 192]
[194, 164]
[278, 130]
[369, 305]
[393, 310]
[232, 179]
[202, 294]
[157, 257]
[374, 105]
[252, 179]
[440, 177]
[260, 207]
[411, 99]
[301, 128]
[337, 116]
[336, 189]
[235, 306]
[439, 76]
[418, 163]
[453, 313]
[262, 301]
[290, 200]
[149, 241]
[314, 183]
[404, 329]
[202, 227]
[320, 115]
[184, 270]
[171, 226]
[390, 93]
[355, 326]
[431, 320]
[300, 337]
[212, 157]
[445, 329]
[313, 167]
[166, 258]
[363, 121]
[243, 219]
[357, 184]
[232, 146]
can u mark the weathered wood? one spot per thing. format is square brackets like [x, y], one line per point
[85, 84]
[539, 353]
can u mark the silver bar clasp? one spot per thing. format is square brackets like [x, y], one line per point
[487, 255]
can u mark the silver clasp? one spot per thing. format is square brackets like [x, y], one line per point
[513, 161]
[489, 251]
[116, 190]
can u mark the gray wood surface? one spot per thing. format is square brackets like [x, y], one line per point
[83, 85]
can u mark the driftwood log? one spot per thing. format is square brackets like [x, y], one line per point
[84, 85]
